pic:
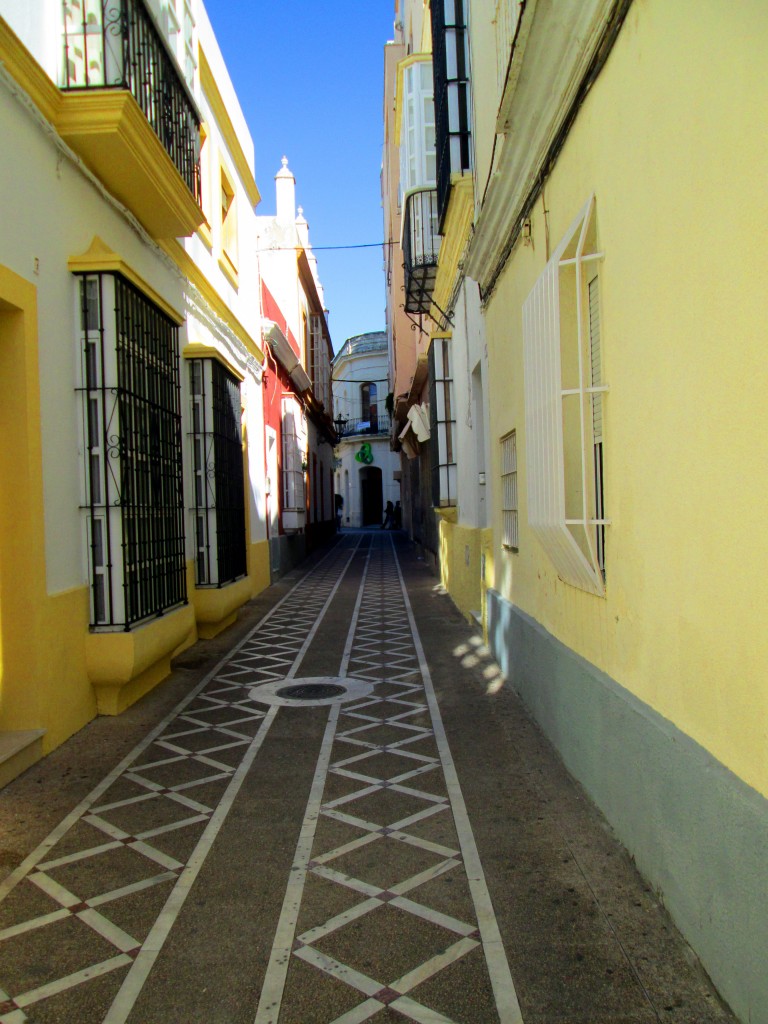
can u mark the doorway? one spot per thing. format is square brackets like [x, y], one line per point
[371, 496]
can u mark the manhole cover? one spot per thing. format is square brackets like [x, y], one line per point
[311, 691]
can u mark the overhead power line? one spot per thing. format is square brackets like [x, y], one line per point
[318, 248]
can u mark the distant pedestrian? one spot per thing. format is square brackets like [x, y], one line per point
[389, 517]
[339, 508]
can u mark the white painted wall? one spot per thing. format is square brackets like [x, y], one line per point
[54, 214]
[349, 372]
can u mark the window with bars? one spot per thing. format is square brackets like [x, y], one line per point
[218, 513]
[450, 56]
[132, 445]
[442, 423]
[509, 523]
[564, 407]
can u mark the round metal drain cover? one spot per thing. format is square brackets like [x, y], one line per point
[311, 691]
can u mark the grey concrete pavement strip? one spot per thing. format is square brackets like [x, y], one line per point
[383, 646]
[35, 867]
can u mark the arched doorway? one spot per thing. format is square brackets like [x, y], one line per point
[371, 501]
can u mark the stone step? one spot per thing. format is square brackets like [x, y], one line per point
[19, 750]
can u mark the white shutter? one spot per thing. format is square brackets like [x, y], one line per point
[594, 352]
[544, 422]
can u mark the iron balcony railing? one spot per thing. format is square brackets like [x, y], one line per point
[421, 246]
[376, 423]
[114, 44]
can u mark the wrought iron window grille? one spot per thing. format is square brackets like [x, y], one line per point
[132, 446]
[450, 64]
[114, 44]
[218, 513]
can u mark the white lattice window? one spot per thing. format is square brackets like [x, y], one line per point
[509, 532]
[417, 140]
[320, 363]
[564, 407]
[294, 444]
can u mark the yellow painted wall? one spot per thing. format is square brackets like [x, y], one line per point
[42, 652]
[672, 142]
[460, 551]
[258, 566]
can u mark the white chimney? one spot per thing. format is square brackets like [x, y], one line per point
[285, 193]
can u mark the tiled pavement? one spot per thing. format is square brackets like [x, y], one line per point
[402, 846]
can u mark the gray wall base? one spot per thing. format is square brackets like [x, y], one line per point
[697, 832]
[286, 551]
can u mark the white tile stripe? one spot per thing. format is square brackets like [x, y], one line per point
[274, 979]
[507, 1003]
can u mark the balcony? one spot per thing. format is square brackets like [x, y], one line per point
[377, 423]
[421, 246]
[128, 113]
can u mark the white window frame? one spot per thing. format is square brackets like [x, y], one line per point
[509, 501]
[294, 452]
[418, 166]
[444, 424]
[570, 542]
[321, 366]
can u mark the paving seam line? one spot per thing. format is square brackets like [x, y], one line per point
[273, 986]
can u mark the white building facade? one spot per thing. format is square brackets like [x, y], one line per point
[367, 471]
[131, 367]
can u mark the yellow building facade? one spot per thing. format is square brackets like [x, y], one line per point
[109, 237]
[619, 152]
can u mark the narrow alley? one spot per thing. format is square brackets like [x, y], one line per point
[336, 811]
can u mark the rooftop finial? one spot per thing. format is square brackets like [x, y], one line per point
[284, 161]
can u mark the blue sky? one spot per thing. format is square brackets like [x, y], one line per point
[309, 76]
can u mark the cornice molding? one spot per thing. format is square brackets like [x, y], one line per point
[27, 73]
[199, 350]
[99, 258]
[555, 49]
[197, 278]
